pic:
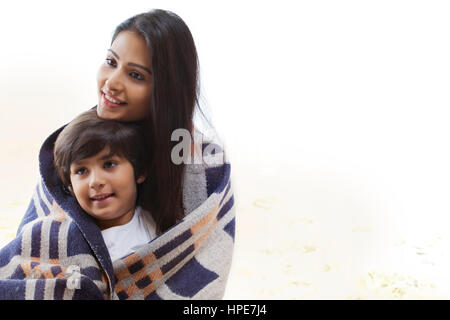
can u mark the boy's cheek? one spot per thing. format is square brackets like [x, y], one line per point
[77, 193]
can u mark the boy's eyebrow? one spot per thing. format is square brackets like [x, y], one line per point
[106, 156]
[131, 63]
[76, 163]
[109, 156]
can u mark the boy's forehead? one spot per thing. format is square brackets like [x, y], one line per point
[104, 154]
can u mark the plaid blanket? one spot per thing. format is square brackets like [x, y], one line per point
[59, 252]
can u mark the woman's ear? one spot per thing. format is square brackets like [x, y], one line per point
[141, 179]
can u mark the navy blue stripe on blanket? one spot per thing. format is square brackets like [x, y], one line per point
[169, 246]
[36, 239]
[18, 273]
[230, 228]
[226, 207]
[47, 193]
[39, 289]
[215, 175]
[153, 296]
[225, 193]
[13, 248]
[60, 287]
[169, 265]
[190, 279]
[53, 242]
[92, 273]
[30, 215]
[42, 204]
[13, 290]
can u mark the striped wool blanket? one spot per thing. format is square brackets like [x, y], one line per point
[59, 252]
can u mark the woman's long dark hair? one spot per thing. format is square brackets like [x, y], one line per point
[174, 98]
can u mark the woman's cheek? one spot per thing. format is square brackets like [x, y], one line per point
[146, 95]
[101, 76]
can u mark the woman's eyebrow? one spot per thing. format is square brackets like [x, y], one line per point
[139, 66]
[115, 54]
[131, 63]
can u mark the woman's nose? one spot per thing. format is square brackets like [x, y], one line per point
[114, 83]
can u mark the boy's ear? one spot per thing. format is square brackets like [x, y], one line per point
[68, 189]
[141, 178]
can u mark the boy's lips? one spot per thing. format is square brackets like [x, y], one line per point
[101, 196]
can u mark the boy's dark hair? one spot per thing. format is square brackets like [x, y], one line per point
[88, 134]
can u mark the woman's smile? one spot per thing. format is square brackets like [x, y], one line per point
[110, 101]
[125, 79]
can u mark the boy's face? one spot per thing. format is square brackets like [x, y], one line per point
[105, 188]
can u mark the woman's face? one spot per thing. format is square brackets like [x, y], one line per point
[124, 80]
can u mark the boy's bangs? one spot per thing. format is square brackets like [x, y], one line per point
[89, 145]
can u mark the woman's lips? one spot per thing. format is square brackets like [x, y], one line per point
[110, 103]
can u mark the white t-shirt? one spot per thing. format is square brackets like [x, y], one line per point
[125, 239]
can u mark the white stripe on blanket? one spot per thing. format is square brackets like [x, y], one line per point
[37, 205]
[44, 197]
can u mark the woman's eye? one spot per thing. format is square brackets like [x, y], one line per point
[110, 62]
[136, 75]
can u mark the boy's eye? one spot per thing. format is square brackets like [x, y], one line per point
[109, 164]
[136, 75]
[80, 171]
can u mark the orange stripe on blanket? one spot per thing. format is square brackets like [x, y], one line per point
[149, 259]
[143, 273]
[199, 225]
[139, 274]
[131, 290]
[47, 274]
[203, 237]
[38, 271]
[132, 259]
[148, 289]
[118, 288]
[156, 274]
[26, 268]
[50, 261]
[122, 274]
[104, 277]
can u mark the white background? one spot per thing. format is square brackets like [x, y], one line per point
[339, 109]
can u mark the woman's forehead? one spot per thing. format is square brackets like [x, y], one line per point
[131, 47]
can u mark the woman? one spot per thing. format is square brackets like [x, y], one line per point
[150, 75]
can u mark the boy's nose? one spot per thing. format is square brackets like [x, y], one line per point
[96, 180]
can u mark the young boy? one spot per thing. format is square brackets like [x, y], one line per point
[102, 163]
